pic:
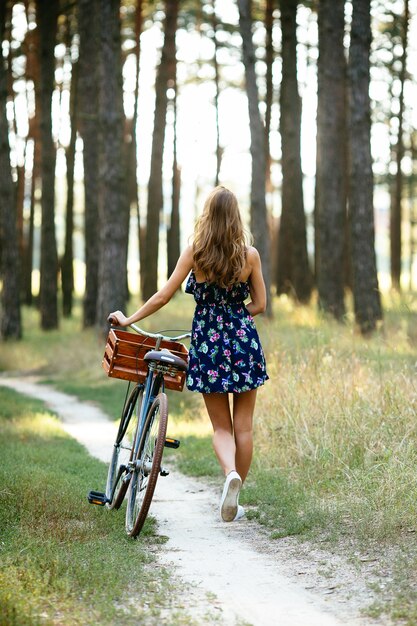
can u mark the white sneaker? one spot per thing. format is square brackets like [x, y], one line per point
[230, 495]
[240, 513]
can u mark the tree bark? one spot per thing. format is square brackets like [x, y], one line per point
[331, 157]
[133, 146]
[173, 234]
[19, 169]
[112, 197]
[365, 280]
[269, 96]
[396, 208]
[10, 321]
[88, 124]
[219, 151]
[294, 273]
[20, 200]
[47, 13]
[32, 73]
[412, 213]
[155, 191]
[259, 222]
[67, 262]
[27, 264]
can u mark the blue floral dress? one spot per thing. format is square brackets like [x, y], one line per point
[225, 351]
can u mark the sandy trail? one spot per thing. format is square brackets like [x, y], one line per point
[229, 568]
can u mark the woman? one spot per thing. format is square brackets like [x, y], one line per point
[225, 352]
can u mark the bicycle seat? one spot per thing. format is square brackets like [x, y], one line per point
[165, 356]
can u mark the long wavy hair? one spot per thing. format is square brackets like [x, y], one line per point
[220, 239]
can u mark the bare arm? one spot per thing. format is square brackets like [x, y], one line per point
[161, 297]
[256, 284]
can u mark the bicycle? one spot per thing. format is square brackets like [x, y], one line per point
[154, 364]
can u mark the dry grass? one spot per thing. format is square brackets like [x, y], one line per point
[339, 415]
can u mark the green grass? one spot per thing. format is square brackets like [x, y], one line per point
[62, 560]
[335, 427]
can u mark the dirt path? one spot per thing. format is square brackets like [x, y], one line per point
[232, 570]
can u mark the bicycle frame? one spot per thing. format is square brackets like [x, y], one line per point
[151, 388]
[153, 383]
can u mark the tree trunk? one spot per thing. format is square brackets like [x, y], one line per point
[20, 200]
[155, 191]
[67, 262]
[331, 157]
[19, 170]
[28, 246]
[219, 151]
[259, 222]
[88, 126]
[112, 197]
[396, 209]
[412, 213]
[173, 235]
[365, 280]
[47, 12]
[294, 273]
[32, 73]
[269, 96]
[10, 322]
[132, 152]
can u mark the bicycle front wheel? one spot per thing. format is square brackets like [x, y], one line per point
[147, 465]
[117, 476]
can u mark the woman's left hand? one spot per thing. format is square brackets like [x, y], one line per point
[117, 318]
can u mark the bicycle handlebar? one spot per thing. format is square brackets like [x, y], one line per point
[159, 335]
[145, 333]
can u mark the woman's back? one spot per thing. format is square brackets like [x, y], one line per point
[210, 293]
[245, 272]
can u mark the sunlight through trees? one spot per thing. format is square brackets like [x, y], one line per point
[118, 117]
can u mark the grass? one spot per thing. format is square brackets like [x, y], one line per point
[340, 424]
[335, 427]
[63, 561]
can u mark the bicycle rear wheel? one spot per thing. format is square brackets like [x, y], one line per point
[117, 481]
[147, 465]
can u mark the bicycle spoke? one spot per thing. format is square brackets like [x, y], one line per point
[148, 463]
[123, 450]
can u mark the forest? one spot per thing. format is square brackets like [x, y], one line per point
[117, 117]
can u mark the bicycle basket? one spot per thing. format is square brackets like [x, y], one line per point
[124, 357]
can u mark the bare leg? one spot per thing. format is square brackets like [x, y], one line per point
[218, 408]
[243, 408]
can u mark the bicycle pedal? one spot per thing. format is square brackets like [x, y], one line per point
[171, 443]
[97, 497]
[164, 471]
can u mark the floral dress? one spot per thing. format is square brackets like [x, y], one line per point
[225, 351]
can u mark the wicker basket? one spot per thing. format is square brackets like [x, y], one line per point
[124, 357]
